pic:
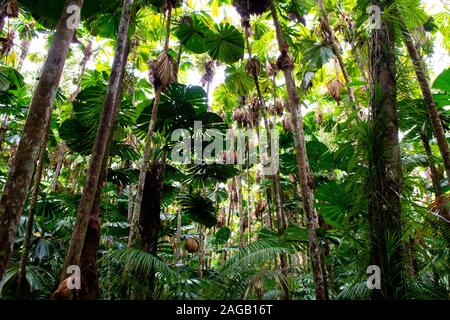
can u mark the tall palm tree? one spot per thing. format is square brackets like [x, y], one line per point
[435, 119]
[286, 65]
[325, 24]
[385, 165]
[163, 73]
[16, 188]
[104, 133]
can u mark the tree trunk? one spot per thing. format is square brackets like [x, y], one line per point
[429, 100]
[434, 172]
[130, 203]
[201, 250]
[241, 211]
[336, 50]
[23, 54]
[286, 64]
[276, 176]
[18, 183]
[105, 129]
[59, 163]
[385, 164]
[134, 228]
[90, 288]
[29, 229]
[178, 238]
[84, 62]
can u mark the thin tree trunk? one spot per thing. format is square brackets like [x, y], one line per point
[241, 211]
[178, 238]
[131, 188]
[134, 228]
[90, 288]
[201, 251]
[336, 50]
[29, 229]
[287, 66]
[385, 164]
[59, 163]
[276, 177]
[84, 62]
[18, 183]
[434, 172]
[429, 100]
[105, 129]
[23, 54]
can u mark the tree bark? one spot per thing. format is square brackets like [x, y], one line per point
[87, 56]
[134, 228]
[105, 129]
[433, 113]
[19, 179]
[178, 237]
[275, 177]
[385, 164]
[201, 250]
[29, 229]
[285, 63]
[241, 211]
[336, 50]
[434, 172]
[59, 163]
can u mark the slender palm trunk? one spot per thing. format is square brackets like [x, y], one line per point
[18, 183]
[201, 250]
[178, 238]
[385, 162]
[434, 172]
[105, 129]
[23, 54]
[59, 163]
[336, 49]
[31, 213]
[436, 122]
[134, 229]
[276, 176]
[241, 211]
[287, 66]
[87, 56]
[131, 188]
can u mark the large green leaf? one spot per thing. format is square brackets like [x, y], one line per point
[48, 12]
[225, 43]
[442, 81]
[180, 106]
[199, 209]
[319, 156]
[237, 79]
[220, 237]
[333, 202]
[191, 32]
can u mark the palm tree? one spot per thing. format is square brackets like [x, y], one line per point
[386, 173]
[164, 72]
[328, 32]
[106, 124]
[286, 65]
[16, 188]
[435, 118]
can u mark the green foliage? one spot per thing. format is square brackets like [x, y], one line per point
[225, 43]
